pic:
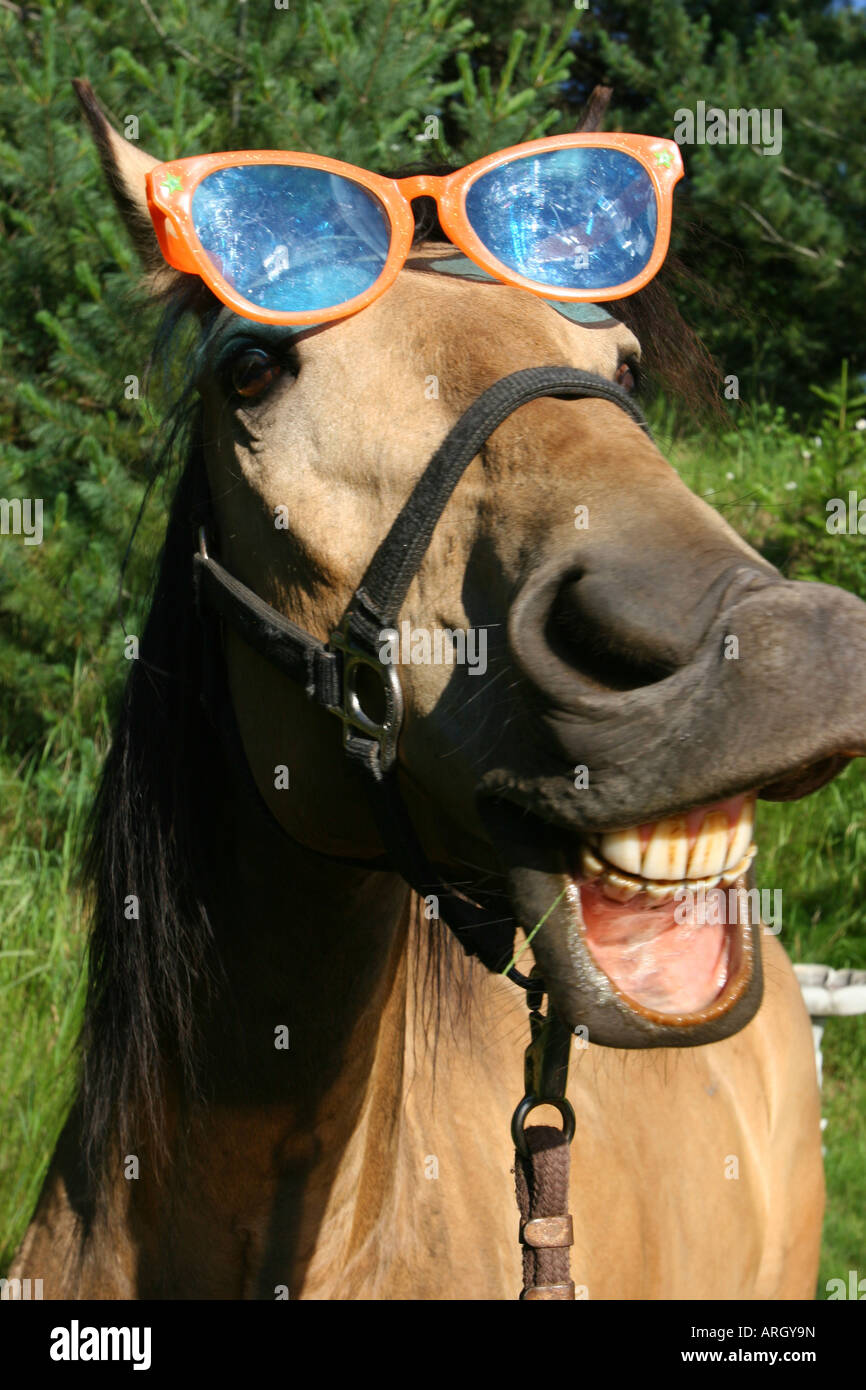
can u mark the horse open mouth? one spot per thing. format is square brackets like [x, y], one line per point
[647, 936]
[660, 907]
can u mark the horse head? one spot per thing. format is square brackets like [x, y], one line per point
[598, 676]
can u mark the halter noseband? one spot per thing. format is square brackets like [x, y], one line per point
[329, 673]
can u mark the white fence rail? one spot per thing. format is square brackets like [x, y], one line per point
[830, 994]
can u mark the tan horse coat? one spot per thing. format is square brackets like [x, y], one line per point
[695, 1173]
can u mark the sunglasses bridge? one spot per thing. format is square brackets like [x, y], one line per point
[420, 186]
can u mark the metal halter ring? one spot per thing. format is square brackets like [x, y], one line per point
[351, 711]
[518, 1120]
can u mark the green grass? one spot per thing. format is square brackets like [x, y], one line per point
[43, 806]
[814, 850]
[41, 989]
[844, 1245]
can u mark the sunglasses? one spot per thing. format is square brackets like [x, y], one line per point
[289, 238]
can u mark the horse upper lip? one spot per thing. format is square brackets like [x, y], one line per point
[798, 782]
[804, 780]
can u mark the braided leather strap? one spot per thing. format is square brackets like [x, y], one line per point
[546, 1231]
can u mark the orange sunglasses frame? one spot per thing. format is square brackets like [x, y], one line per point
[170, 189]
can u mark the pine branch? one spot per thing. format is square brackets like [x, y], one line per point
[821, 129]
[799, 178]
[379, 47]
[23, 12]
[777, 239]
[239, 71]
[179, 48]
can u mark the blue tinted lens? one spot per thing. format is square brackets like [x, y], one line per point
[289, 238]
[576, 218]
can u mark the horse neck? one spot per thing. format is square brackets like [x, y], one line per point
[374, 997]
[301, 1152]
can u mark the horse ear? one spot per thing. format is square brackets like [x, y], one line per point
[125, 166]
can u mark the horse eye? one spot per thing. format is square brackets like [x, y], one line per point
[626, 377]
[253, 371]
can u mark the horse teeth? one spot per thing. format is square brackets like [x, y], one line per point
[742, 836]
[620, 888]
[710, 851]
[691, 847]
[667, 853]
[623, 888]
[659, 893]
[738, 870]
[590, 866]
[622, 849]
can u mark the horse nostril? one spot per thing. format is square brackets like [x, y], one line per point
[614, 654]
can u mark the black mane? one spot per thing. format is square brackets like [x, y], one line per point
[151, 823]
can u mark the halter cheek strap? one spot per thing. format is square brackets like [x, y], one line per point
[330, 674]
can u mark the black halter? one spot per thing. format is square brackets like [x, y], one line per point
[329, 673]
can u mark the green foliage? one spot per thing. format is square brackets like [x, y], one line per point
[777, 238]
[41, 962]
[844, 1049]
[774, 483]
[492, 115]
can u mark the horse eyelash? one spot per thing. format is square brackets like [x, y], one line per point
[285, 354]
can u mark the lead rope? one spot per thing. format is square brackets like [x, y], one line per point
[542, 1158]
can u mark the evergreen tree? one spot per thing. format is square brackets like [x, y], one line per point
[773, 243]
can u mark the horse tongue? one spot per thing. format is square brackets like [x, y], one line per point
[660, 963]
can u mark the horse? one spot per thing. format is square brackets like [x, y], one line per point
[296, 1080]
